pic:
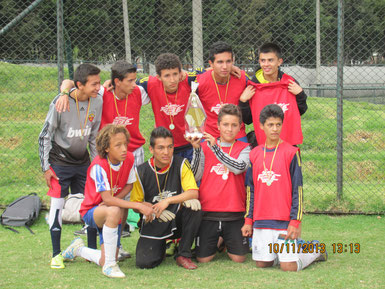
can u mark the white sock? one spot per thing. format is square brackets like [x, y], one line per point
[92, 255]
[56, 204]
[306, 259]
[110, 237]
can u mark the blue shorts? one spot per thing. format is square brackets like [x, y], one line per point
[88, 218]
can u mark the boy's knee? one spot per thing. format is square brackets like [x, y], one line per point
[237, 258]
[114, 212]
[288, 266]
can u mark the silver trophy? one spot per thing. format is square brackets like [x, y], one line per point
[195, 116]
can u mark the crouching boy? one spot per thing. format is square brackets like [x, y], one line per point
[275, 204]
[109, 179]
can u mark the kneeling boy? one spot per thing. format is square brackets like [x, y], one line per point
[109, 179]
[221, 164]
[275, 203]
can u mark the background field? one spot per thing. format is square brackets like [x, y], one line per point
[25, 100]
[25, 262]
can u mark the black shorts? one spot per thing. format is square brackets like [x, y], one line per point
[230, 231]
[73, 177]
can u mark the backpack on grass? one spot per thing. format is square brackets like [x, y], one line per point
[71, 209]
[22, 212]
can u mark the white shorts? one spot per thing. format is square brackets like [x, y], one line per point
[266, 246]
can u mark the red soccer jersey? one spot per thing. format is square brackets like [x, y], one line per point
[128, 117]
[93, 198]
[170, 106]
[274, 201]
[277, 93]
[220, 189]
[211, 101]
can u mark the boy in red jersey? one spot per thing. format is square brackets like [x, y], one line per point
[109, 179]
[274, 210]
[169, 96]
[220, 164]
[218, 86]
[271, 85]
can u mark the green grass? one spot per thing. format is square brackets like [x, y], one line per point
[25, 262]
[26, 91]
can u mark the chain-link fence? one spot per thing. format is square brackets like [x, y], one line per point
[39, 46]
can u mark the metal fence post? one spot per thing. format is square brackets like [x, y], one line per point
[197, 33]
[127, 43]
[318, 47]
[340, 75]
[60, 42]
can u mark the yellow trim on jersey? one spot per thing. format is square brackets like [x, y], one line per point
[187, 176]
[137, 194]
[298, 159]
[247, 201]
[260, 77]
[144, 79]
[300, 192]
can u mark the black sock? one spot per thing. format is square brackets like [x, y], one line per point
[91, 237]
[56, 235]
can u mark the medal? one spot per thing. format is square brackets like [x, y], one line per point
[171, 126]
[216, 85]
[225, 176]
[269, 174]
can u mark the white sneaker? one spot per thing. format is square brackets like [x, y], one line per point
[72, 251]
[113, 271]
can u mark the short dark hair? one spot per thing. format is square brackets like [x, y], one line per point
[83, 71]
[271, 47]
[120, 69]
[219, 47]
[230, 109]
[271, 110]
[104, 137]
[160, 132]
[167, 61]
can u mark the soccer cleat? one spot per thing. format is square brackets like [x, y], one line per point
[170, 248]
[123, 254]
[57, 262]
[113, 271]
[185, 263]
[81, 232]
[70, 253]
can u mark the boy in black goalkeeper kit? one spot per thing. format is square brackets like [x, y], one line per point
[166, 183]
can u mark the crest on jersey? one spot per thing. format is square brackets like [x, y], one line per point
[221, 170]
[284, 106]
[163, 195]
[268, 177]
[172, 109]
[122, 120]
[216, 108]
[91, 117]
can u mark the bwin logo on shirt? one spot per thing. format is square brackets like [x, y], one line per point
[78, 132]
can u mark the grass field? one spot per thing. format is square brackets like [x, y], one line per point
[26, 91]
[25, 262]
